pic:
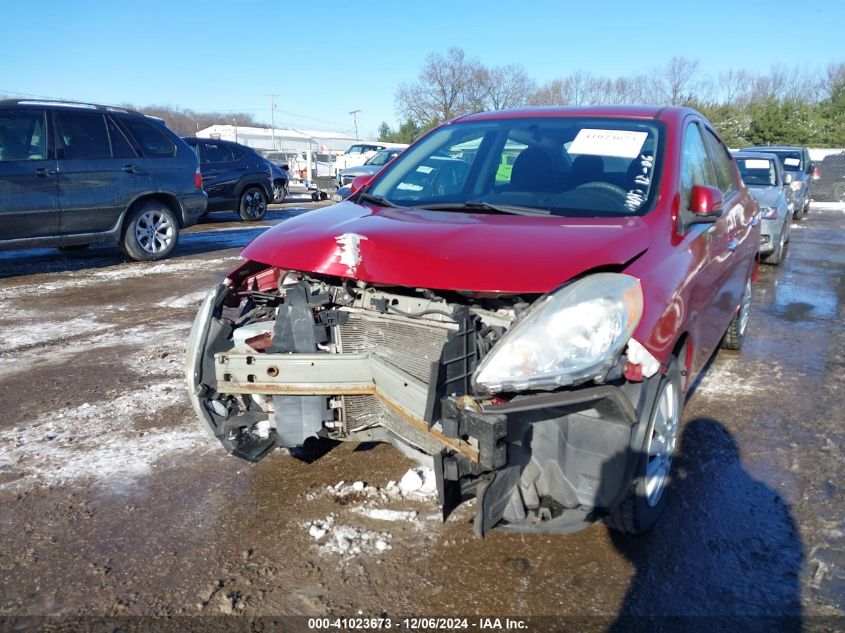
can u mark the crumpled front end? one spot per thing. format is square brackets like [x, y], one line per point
[276, 357]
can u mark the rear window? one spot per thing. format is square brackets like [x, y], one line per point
[568, 166]
[757, 171]
[154, 143]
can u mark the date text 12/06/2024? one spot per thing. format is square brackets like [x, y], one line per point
[420, 624]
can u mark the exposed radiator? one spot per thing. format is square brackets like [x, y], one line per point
[410, 344]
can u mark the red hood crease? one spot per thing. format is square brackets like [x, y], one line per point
[448, 250]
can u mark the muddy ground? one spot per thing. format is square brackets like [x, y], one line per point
[113, 502]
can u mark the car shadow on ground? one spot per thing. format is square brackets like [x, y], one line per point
[726, 554]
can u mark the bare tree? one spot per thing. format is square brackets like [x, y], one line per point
[506, 87]
[675, 82]
[735, 87]
[550, 93]
[446, 87]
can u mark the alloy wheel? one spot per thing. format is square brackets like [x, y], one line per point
[154, 232]
[660, 446]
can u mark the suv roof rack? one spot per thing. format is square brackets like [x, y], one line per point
[57, 103]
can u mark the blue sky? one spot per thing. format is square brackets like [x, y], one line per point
[324, 59]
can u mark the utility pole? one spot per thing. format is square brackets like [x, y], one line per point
[273, 118]
[354, 114]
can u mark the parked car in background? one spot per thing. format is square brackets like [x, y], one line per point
[370, 167]
[72, 174]
[359, 153]
[530, 336]
[796, 161]
[829, 178]
[281, 181]
[770, 185]
[235, 177]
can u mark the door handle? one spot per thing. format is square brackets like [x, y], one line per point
[732, 245]
[43, 172]
[130, 169]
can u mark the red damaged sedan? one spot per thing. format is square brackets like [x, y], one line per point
[528, 332]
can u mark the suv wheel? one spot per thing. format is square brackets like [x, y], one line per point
[279, 191]
[151, 232]
[253, 205]
[646, 497]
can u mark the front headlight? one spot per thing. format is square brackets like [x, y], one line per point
[569, 336]
[769, 213]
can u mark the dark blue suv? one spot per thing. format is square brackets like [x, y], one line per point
[72, 174]
[234, 176]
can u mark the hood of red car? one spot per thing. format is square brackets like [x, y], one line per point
[448, 250]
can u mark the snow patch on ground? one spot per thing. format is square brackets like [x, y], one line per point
[184, 301]
[124, 271]
[346, 540]
[724, 378]
[26, 334]
[97, 441]
[385, 514]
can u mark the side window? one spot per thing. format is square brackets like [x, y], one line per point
[722, 162]
[152, 141]
[504, 168]
[22, 135]
[215, 153]
[236, 153]
[120, 146]
[695, 164]
[83, 135]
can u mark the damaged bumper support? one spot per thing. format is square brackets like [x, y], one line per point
[550, 462]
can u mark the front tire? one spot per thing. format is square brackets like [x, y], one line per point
[736, 330]
[151, 232]
[776, 257]
[644, 502]
[253, 205]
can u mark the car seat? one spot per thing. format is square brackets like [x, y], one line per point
[587, 168]
[534, 170]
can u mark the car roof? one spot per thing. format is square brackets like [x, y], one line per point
[608, 111]
[773, 148]
[72, 105]
[745, 154]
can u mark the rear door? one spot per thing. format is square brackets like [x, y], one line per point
[95, 184]
[29, 200]
[218, 174]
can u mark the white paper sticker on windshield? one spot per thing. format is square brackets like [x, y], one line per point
[792, 162]
[425, 169]
[621, 143]
[756, 163]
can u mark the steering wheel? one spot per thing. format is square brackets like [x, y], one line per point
[606, 188]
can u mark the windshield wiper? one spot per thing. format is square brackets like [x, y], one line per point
[480, 205]
[382, 202]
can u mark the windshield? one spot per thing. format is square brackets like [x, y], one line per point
[568, 166]
[757, 171]
[380, 158]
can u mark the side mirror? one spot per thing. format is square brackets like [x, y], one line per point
[788, 178]
[705, 203]
[286, 167]
[359, 183]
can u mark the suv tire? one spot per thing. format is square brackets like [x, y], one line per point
[151, 231]
[644, 502]
[253, 204]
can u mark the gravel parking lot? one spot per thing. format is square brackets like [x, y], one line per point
[114, 502]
